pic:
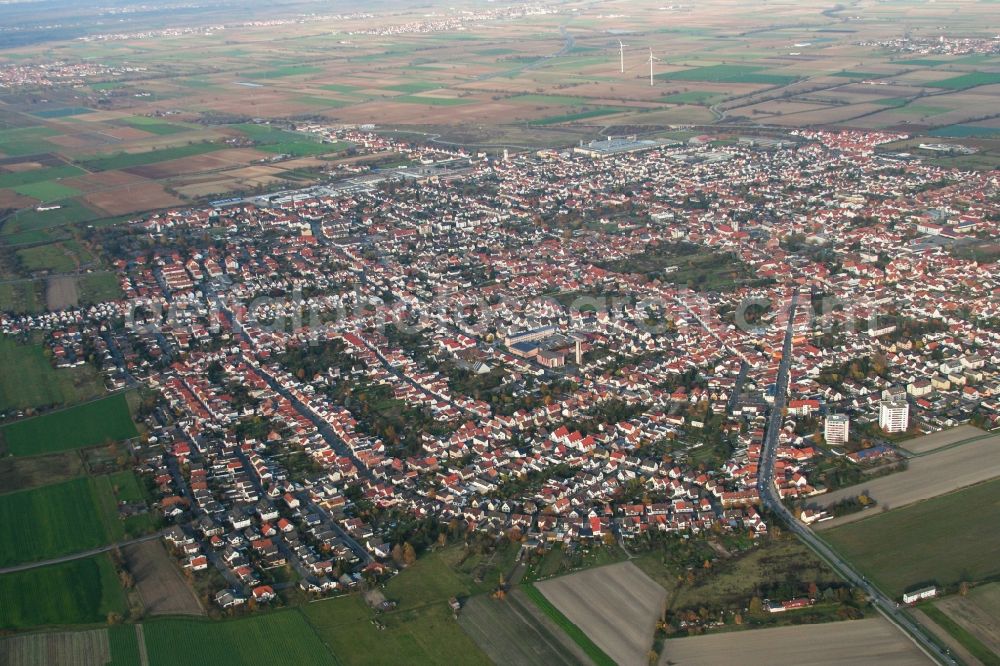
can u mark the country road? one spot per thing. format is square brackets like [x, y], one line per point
[769, 495]
[79, 556]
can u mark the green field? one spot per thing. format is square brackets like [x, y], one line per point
[55, 520]
[58, 257]
[967, 81]
[20, 298]
[421, 628]
[284, 142]
[339, 87]
[551, 100]
[154, 125]
[77, 427]
[942, 540]
[63, 113]
[111, 161]
[77, 592]
[691, 97]
[413, 87]
[920, 62]
[847, 74]
[729, 74]
[282, 72]
[26, 141]
[48, 386]
[22, 178]
[964, 131]
[570, 117]
[47, 191]
[70, 212]
[275, 639]
[596, 654]
[431, 101]
[124, 645]
[98, 288]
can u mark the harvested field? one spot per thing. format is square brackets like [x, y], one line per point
[927, 476]
[160, 585]
[617, 606]
[61, 292]
[941, 439]
[515, 632]
[78, 648]
[944, 637]
[869, 641]
[134, 198]
[978, 613]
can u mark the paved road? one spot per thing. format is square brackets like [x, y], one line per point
[79, 556]
[769, 495]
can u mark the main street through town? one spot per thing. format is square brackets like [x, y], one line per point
[769, 495]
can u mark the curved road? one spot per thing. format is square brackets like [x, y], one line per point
[770, 498]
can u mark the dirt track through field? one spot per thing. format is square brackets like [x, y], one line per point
[870, 641]
[927, 476]
[617, 606]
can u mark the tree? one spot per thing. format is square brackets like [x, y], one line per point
[963, 588]
[756, 607]
[397, 554]
[409, 554]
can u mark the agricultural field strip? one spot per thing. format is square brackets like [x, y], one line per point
[927, 476]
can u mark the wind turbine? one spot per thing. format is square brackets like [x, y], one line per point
[652, 59]
[621, 55]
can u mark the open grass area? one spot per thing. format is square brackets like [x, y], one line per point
[282, 72]
[942, 540]
[588, 646]
[57, 257]
[271, 639]
[98, 288]
[551, 100]
[681, 263]
[283, 142]
[432, 101]
[421, 628]
[581, 115]
[26, 141]
[47, 191]
[967, 81]
[64, 112]
[729, 74]
[692, 97]
[77, 592]
[54, 520]
[965, 131]
[111, 161]
[20, 178]
[48, 386]
[413, 87]
[154, 125]
[25, 297]
[89, 424]
[69, 212]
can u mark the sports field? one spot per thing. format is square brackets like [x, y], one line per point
[77, 592]
[942, 540]
[89, 424]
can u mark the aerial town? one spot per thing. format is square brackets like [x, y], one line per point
[619, 399]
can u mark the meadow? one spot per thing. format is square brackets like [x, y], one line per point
[55, 520]
[273, 639]
[114, 161]
[77, 427]
[48, 386]
[941, 540]
[77, 592]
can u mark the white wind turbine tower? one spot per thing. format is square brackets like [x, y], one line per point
[652, 59]
[621, 55]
